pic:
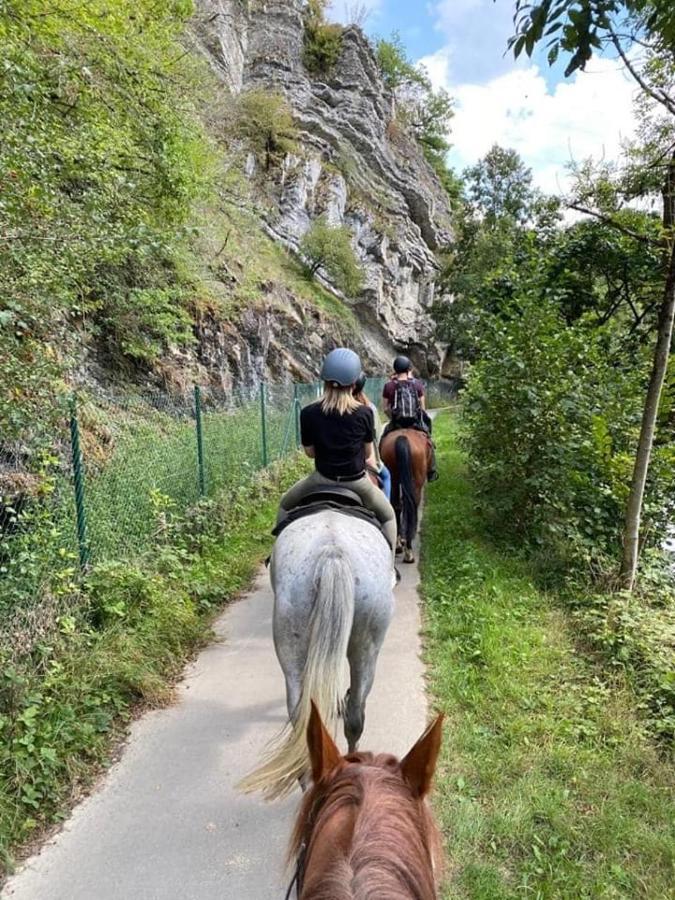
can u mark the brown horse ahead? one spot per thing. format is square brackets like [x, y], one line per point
[406, 452]
[364, 829]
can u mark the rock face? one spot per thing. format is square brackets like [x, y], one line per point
[356, 166]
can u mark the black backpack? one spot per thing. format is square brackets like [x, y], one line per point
[405, 408]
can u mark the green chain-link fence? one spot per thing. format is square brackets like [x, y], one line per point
[119, 466]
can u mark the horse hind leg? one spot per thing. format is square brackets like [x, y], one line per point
[362, 658]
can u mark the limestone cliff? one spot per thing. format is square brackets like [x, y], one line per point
[355, 166]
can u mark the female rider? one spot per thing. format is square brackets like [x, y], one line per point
[382, 470]
[338, 433]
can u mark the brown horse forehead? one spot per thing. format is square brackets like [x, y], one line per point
[371, 760]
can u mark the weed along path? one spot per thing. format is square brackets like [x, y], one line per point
[167, 823]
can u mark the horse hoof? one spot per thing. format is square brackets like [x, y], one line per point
[409, 557]
[399, 549]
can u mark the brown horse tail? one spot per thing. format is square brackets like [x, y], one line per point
[330, 625]
[408, 503]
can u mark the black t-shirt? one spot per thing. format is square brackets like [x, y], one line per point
[338, 441]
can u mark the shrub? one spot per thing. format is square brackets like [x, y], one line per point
[322, 41]
[265, 122]
[551, 419]
[143, 322]
[103, 158]
[330, 248]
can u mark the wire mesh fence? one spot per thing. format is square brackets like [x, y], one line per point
[120, 465]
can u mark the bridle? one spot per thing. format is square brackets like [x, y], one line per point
[298, 874]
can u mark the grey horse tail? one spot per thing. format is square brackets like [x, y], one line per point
[330, 626]
[407, 488]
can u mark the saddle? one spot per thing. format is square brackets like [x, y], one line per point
[334, 497]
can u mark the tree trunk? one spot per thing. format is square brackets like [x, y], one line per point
[631, 541]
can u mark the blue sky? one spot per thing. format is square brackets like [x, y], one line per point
[526, 105]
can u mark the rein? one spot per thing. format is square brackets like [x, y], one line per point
[298, 875]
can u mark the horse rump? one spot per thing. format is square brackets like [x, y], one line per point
[330, 626]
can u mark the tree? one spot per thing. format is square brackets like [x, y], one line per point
[642, 33]
[424, 112]
[329, 247]
[501, 228]
[322, 39]
[500, 186]
[397, 70]
[265, 121]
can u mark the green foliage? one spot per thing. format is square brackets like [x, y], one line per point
[126, 636]
[322, 40]
[265, 121]
[103, 156]
[581, 28]
[559, 321]
[424, 112]
[499, 187]
[143, 321]
[330, 248]
[547, 785]
[397, 70]
[504, 227]
[550, 426]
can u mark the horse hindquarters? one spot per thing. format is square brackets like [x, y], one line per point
[329, 626]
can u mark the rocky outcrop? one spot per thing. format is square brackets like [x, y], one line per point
[355, 165]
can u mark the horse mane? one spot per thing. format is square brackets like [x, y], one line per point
[395, 841]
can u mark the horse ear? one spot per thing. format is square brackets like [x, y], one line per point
[419, 765]
[323, 752]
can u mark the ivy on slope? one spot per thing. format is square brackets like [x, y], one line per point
[101, 159]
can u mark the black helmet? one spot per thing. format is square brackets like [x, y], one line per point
[360, 383]
[342, 366]
[402, 364]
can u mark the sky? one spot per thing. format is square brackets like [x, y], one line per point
[526, 105]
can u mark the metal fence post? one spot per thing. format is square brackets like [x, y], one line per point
[263, 424]
[296, 414]
[200, 441]
[78, 484]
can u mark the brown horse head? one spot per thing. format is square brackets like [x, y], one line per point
[364, 828]
[406, 452]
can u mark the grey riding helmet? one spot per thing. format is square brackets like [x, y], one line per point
[402, 364]
[341, 367]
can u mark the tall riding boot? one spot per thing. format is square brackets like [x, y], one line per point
[432, 473]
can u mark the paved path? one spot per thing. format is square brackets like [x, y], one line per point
[167, 824]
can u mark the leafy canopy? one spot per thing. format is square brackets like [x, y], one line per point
[582, 27]
[265, 122]
[328, 247]
[322, 39]
[422, 111]
[102, 158]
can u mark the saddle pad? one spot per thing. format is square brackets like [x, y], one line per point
[359, 512]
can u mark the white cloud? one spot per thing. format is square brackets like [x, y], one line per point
[589, 115]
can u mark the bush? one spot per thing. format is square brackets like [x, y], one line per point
[144, 322]
[330, 248]
[265, 122]
[120, 640]
[322, 40]
[552, 417]
[103, 158]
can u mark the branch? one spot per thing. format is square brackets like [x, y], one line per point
[608, 220]
[660, 97]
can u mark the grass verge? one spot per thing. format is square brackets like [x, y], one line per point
[123, 643]
[548, 785]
